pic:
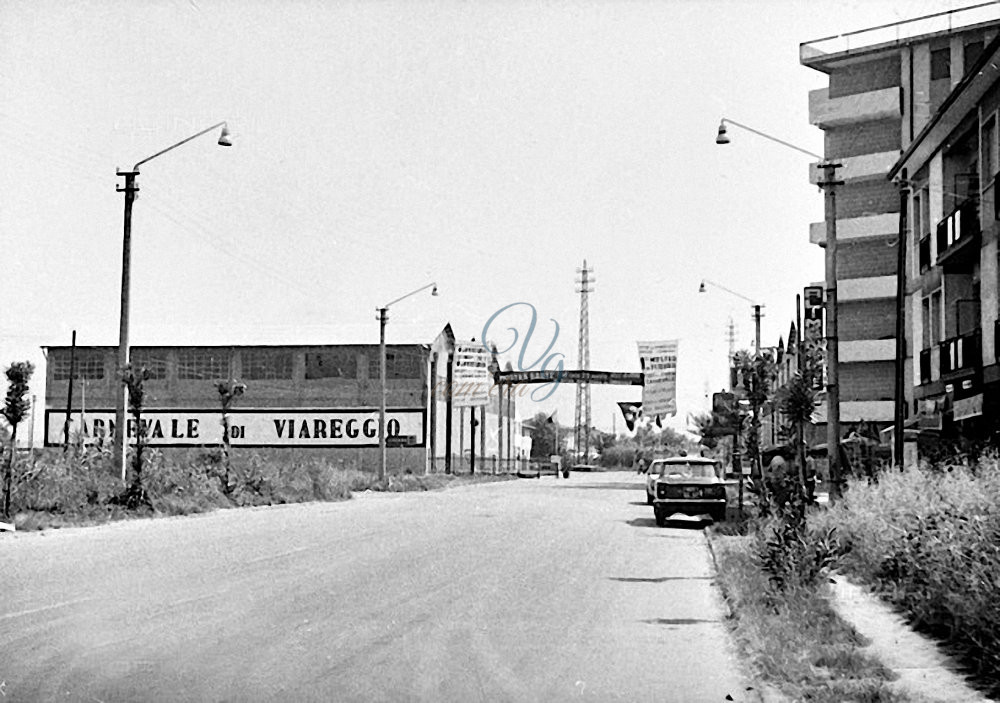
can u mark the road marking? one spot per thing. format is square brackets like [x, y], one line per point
[32, 611]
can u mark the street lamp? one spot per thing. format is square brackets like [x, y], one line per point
[829, 185]
[755, 422]
[756, 307]
[130, 190]
[383, 317]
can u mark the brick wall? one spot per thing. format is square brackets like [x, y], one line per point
[867, 198]
[865, 77]
[866, 319]
[871, 380]
[865, 258]
[862, 138]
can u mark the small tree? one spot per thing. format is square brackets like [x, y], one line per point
[229, 391]
[797, 400]
[16, 408]
[134, 381]
[756, 373]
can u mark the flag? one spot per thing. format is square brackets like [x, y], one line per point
[631, 413]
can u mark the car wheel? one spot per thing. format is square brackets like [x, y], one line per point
[661, 519]
[719, 516]
[649, 499]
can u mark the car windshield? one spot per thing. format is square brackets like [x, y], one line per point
[688, 470]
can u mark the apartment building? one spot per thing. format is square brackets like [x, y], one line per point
[949, 174]
[887, 85]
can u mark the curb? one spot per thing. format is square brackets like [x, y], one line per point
[760, 691]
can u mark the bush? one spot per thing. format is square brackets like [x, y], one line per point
[929, 540]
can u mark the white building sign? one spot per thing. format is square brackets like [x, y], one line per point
[271, 427]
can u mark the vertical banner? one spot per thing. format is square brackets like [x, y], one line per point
[813, 339]
[472, 380]
[659, 368]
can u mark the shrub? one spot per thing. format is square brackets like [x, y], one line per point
[929, 540]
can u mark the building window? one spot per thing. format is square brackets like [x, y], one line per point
[335, 363]
[206, 364]
[401, 364]
[267, 364]
[973, 50]
[988, 147]
[936, 318]
[89, 366]
[940, 64]
[155, 363]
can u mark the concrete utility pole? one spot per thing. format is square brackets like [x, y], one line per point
[829, 185]
[69, 392]
[121, 359]
[383, 317]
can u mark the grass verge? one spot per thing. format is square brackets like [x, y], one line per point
[793, 640]
[62, 490]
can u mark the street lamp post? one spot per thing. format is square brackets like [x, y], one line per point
[829, 185]
[756, 308]
[130, 189]
[383, 318]
[755, 421]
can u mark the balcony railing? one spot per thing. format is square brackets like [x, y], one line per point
[961, 353]
[898, 32]
[961, 225]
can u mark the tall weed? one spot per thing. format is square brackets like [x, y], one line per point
[929, 540]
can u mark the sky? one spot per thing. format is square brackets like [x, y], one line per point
[490, 147]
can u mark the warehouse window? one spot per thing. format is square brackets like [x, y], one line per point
[403, 365]
[89, 365]
[335, 363]
[267, 364]
[154, 362]
[208, 364]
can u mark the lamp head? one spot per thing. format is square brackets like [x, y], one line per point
[434, 290]
[721, 138]
[225, 138]
[701, 288]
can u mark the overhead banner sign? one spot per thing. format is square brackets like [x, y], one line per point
[272, 427]
[659, 367]
[471, 379]
[618, 378]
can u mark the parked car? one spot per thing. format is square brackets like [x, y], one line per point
[529, 469]
[689, 485]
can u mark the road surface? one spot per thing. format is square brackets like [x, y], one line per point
[529, 590]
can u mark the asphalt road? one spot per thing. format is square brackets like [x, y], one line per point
[529, 590]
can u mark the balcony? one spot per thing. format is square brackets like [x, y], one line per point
[960, 354]
[956, 237]
[826, 112]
